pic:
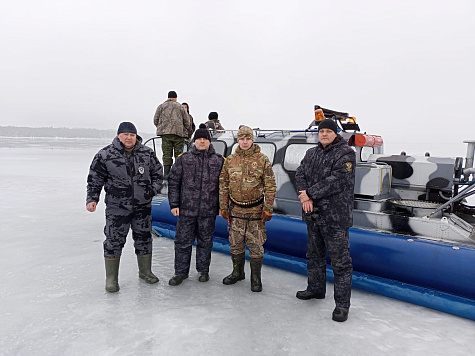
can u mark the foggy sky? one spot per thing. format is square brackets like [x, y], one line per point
[404, 69]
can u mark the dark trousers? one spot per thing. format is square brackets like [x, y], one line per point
[188, 229]
[335, 241]
[118, 223]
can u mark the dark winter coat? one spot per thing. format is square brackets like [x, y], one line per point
[193, 183]
[128, 182]
[328, 176]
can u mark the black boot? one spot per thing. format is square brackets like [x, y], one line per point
[238, 269]
[177, 279]
[166, 171]
[306, 295]
[204, 277]
[112, 274]
[256, 284]
[145, 269]
[340, 314]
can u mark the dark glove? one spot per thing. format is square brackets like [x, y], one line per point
[225, 214]
[266, 216]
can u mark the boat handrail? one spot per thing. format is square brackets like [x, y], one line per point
[463, 194]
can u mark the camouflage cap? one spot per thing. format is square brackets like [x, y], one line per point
[245, 132]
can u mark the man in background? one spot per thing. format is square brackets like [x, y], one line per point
[192, 124]
[213, 122]
[173, 125]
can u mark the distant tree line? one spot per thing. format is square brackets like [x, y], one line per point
[15, 131]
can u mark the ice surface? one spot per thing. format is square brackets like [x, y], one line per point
[52, 298]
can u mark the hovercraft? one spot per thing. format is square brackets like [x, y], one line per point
[413, 236]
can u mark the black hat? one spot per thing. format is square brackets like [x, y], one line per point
[172, 95]
[202, 132]
[213, 115]
[126, 127]
[328, 124]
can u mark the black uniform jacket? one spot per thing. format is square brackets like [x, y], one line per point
[328, 176]
[193, 183]
[128, 182]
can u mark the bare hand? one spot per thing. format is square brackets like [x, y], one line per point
[303, 196]
[307, 206]
[91, 206]
[176, 211]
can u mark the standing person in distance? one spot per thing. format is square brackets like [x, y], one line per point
[213, 122]
[193, 193]
[131, 176]
[173, 125]
[325, 182]
[193, 127]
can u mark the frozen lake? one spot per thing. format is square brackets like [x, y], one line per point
[52, 298]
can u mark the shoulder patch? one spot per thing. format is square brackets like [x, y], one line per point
[349, 166]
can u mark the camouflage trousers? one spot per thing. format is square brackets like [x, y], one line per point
[187, 229]
[118, 223]
[335, 241]
[247, 232]
[171, 143]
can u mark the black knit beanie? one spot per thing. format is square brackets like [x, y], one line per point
[328, 124]
[213, 115]
[126, 127]
[202, 132]
[172, 95]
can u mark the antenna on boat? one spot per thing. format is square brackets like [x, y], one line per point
[469, 158]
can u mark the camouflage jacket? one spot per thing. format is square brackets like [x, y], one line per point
[127, 181]
[217, 124]
[193, 183]
[328, 176]
[171, 118]
[247, 176]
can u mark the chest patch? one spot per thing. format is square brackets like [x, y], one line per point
[254, 165]
[141, 170]
[349, 166]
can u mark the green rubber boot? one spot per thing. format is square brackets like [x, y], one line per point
[256, 283]
[145, 269]
[238, 269]
[112, 274]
